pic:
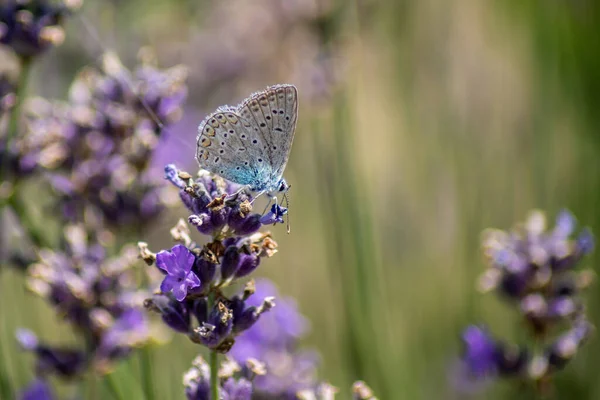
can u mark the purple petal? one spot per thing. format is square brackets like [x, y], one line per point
[185, 258]
[169, 283]
[27, 339]
[192, 280]
[37, 390]
[165, 261]
[177, 262]
[180, 291]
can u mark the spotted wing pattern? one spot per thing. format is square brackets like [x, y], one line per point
[250, 144]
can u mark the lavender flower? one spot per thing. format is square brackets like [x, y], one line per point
[97, 295]
[32, 26]
[485, 357]
[535, 270]
[99, 152]
[177, 264]
[324, 391]
[233, 384]
[39, 389]
[196, 275]
[62, 361]
[274, 340]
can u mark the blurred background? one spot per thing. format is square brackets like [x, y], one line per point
[421, 124]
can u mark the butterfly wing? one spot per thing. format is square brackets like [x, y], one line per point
[222, 146]
[250, 144]
[274, 112]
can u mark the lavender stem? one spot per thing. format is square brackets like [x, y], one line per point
[15, 114]
[213, 360]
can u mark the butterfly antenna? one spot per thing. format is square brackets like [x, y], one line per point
[89, 27]
[287, 205]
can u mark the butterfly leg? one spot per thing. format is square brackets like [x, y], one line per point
[257, 196]
[234, 195]
[271, 200]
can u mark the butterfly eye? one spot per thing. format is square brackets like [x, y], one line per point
[283, 186]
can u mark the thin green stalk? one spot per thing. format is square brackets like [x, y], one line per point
[113, 388]
[213, 359]
[145, 360]
[38, 238]
[6, 388]
[145, 353]
[15, 114]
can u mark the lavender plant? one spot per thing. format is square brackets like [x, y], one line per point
[535, 269]
[98, 147]
[30, 27]
[192, 298]
[98, 295]
[264, 361]
[275, 341]
[95, 150]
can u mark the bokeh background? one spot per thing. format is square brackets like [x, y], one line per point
[421, 124]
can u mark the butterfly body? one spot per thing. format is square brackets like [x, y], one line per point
[249, 144]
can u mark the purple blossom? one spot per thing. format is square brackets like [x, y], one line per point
[98, 155]
[62, 361]
[197, 382]
[274, 340]
[535, 268]
[129, 330]
[31, 27]
[174, 313]
[177, 264]
[97, 295]
[194, 273]
[39, 389]
[480, 353]
[240, 389]
[274, 216]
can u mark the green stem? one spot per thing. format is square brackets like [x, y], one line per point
[145, 359]
[214, 359]
[113, 387]
[15, 114]
[38, 238]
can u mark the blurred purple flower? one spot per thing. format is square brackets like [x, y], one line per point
[274, 340]
[197, 382]
[177, 264]
[480, 353]
[535, 268]
[39, 389]
[99, 155]
[65, 362]
[97, 295]
[129, 330]
[31, 27]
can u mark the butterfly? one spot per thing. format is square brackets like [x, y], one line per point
[250, 144]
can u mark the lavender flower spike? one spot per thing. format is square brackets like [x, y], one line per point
[177, 263]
